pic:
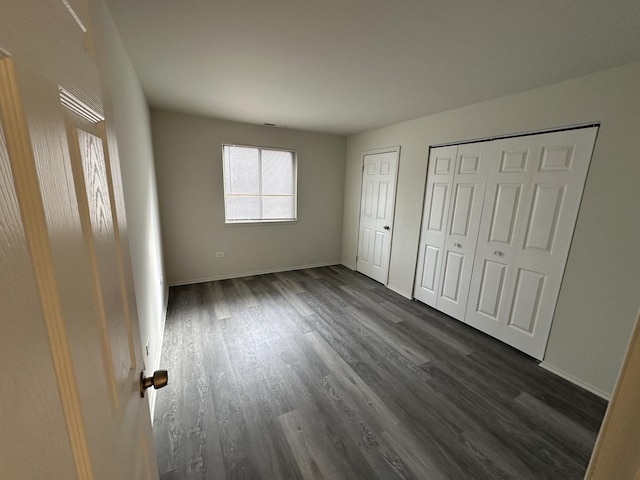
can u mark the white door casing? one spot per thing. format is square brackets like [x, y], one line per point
[376, 212]
[70, 349]
[533, 198]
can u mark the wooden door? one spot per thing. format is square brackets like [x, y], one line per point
[530, 213]
[465, 207]
[70, 348]
[376, 213]
[434, 223]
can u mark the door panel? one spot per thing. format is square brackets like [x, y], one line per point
[100, 223]
[490, 294]
[462, 207]
[527, 295]
[468, 189]
[504, 214]
[376, 213]
[453, 268]
[383, 198]
[430, 268]
[557, 178]
[434, 221]
[533, 195]
[543, 219]
[32, 412]
[439, 203]
[378, 247]
[499, 230]
[89, 355]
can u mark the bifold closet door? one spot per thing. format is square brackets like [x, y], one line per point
[533, 194]
[434, 223]
[455, 192]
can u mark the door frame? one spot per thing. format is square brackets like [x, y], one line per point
[391, 149]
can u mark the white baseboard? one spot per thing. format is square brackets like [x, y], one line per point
[400, 292]
[349, 266]
[250, 274]
[573, 379]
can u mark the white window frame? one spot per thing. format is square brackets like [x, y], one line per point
[259, 221]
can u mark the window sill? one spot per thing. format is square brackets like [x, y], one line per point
[253, 223]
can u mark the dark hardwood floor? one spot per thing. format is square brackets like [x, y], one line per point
[325, 374]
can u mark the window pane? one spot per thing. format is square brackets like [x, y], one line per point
[259, 184]
[277, 173]
[243, 208]
[277, 207]
[242, 170]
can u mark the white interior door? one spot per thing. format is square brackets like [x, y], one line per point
[435, 213]
[467, 194]
[532, 204]
[376, 213]
[70, 348]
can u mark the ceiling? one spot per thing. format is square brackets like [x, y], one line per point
[346, 66]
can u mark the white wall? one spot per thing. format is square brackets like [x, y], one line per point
[133, 131]
[188, 153]
[599, 295]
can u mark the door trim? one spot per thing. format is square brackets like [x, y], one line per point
[391, 149]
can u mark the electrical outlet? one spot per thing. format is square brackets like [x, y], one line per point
[219, 254]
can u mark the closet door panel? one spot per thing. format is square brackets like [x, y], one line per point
[434, 222]
[491, 285]
[462, 229]
[556, 182]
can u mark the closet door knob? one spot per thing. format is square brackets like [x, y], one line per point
[159, 379]
[459, 245]
[498, 253]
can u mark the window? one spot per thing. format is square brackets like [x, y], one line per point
[259, 184]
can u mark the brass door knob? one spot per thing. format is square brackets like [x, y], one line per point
[159, 379]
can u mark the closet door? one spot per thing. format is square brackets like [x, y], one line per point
[467, 194]
[434, 222]
[533, 197]
[509, 171]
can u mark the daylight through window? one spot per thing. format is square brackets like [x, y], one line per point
[259, 184]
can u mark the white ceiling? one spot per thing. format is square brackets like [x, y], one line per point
[345, 66]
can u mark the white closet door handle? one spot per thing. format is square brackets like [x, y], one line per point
[498, 253]
[459, 245]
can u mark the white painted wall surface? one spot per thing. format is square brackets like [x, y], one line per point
[133, 130]
[598, 300]
[188, 151]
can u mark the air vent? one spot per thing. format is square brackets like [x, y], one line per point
[78, 107]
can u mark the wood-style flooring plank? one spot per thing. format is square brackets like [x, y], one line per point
[325, 374]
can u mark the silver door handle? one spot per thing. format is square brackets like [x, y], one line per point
[498, 253]
[386, 227]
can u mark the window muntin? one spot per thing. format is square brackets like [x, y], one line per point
[259, 184]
